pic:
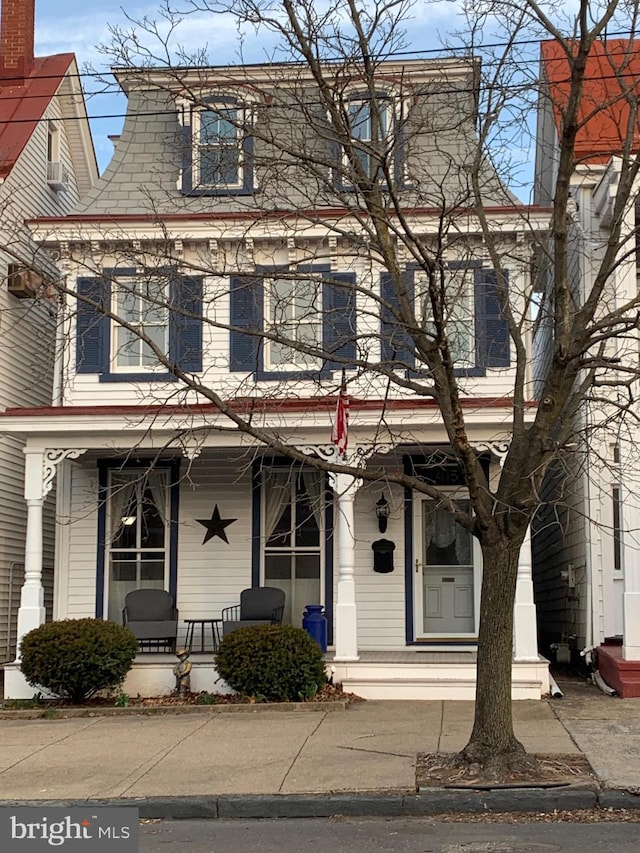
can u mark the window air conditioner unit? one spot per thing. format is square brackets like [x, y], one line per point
[57, 175]
[22, 282]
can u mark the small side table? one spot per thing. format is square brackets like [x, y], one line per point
[192, 624]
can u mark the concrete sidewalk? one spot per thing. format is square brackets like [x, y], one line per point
[370, 747]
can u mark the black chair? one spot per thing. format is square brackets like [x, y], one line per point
[260, 605]
[152, 617]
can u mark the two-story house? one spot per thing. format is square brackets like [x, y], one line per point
[226, 225]
[586, 546]
[46, 163]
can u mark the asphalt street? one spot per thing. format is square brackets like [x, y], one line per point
[390, 835]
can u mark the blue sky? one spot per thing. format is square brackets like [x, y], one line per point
[79, 26]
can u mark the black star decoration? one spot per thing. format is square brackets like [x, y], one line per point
[215, 525]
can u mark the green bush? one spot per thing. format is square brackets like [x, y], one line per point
[75, 658]
[271, 662]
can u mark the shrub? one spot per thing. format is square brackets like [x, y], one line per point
[75, 658]
[271, 662]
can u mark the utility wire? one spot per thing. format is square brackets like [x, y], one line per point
[462, 51]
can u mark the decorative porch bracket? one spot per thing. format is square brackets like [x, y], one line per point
[497, 449]
[40, 471]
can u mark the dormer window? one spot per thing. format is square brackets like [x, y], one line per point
[218, 149]
[218, 157]
[371, 122]
[374, 143]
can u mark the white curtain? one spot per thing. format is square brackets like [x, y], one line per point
[277, 493]
[314, 485]
[448, 543]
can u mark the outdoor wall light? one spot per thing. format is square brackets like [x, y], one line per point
[383, 510]
[128, 520]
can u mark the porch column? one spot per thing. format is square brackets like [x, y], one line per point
[346, 621]
[525, 629]
[40, 472]
[31, 612]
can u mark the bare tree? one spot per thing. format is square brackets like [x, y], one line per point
[399, 166]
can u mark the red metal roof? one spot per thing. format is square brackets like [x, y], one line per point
[612, 71]
[23, 103]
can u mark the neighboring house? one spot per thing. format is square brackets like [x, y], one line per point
[586, 546]
[46, 163]
[199, 214]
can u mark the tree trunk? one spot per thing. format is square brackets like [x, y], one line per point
[493, 744]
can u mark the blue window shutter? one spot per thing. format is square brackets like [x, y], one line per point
[185, 329]
[187, 158]
[492, 333]
[339, 316]
[245, 312]
[396, 345]
[92, 327]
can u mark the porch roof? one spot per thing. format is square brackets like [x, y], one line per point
[492, 412]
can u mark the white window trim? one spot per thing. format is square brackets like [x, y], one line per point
[306, 363]
[53, 142]
[196, 147]
[114, 367]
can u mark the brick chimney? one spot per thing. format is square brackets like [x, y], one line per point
[17, 35]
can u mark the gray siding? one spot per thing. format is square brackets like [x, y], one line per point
[436, 146]
[559, 546]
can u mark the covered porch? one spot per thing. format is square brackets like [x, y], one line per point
[403, 626]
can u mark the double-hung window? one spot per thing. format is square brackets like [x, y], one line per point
[218, 146]
[474, 322]
[125, 322]
[218, 160]
[370, 122]
[143, 307]
[455, 290]
[293, 322]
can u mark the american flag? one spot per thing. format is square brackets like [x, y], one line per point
[340, 431]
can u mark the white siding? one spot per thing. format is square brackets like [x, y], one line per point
[212, 575]
[86, 389]
[27, 332]
[380, 597]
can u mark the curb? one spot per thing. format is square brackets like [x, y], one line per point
[365, 804]
[155, 710]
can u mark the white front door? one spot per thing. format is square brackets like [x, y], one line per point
[446, 585]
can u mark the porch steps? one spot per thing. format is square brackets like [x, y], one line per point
[418, 678]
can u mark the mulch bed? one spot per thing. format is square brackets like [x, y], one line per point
[329, 693]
